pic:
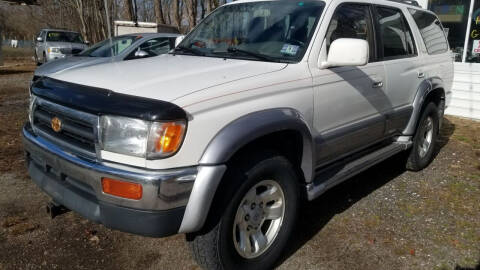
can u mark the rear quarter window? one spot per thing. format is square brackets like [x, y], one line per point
[431, 31]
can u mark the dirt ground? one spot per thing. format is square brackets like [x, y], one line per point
[385, 218]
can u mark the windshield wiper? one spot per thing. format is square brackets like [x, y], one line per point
[190, 50]
[254, 54]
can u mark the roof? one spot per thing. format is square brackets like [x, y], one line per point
[410, 3]
[58, 30]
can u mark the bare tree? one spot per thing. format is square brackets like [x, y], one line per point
[159, 11]
[128, 10]
[176, 13]
[191, 7]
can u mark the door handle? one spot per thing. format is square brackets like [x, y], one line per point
[421, 75]
[377, 84]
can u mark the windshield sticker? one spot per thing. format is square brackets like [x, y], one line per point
[289, 49]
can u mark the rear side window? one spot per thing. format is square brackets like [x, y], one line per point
[431, 30]
[396, 37]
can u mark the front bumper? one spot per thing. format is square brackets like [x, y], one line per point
[55, 56]
[76, 184]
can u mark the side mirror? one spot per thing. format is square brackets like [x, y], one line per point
[178, 40]
[141, 54]
[347, 52]
[39, 39]
[87, 42]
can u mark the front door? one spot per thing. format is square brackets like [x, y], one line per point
[349, 101]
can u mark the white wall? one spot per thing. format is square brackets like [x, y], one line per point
[465, 91]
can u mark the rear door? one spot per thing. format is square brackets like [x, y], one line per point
[437, 56]
[403, 66]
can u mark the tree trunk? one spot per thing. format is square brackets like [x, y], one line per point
[79, 7]
[191, 6]
[202, 9]
[159, 18]
[177, 20]
[128, 10]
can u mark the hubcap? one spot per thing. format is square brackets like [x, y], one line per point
[426, 139]
[258, 219]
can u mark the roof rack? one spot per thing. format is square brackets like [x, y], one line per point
[407, 2]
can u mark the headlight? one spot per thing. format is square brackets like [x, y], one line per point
[54, 50]
[140, 138]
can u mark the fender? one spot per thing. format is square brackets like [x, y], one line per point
[426, 86]
[246, 129]
[226, 143]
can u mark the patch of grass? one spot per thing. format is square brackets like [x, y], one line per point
[458, 188]
[463, 138]
[372, 221]
[443, 266]
[410, 209]
[16, 53]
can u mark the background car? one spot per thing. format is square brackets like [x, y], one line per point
[120, 48]
[54, 44]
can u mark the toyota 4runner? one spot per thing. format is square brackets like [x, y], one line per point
[263, 104]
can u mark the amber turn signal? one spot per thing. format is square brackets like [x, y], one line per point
[122, 189]
[171, 138]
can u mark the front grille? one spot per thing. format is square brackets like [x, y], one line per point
[75, 132]
[66, 50]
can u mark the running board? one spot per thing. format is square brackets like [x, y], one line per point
[336, 174]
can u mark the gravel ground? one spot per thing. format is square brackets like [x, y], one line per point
[385, 218]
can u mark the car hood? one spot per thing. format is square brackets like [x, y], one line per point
[68, 63]
[166, 77]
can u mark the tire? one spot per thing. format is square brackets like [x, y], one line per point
[425, 139]
[222, 246]
[36, 59]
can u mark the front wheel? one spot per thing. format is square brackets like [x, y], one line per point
[425, 139]
[256, 224]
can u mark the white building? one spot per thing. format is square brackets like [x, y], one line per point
[461, 18]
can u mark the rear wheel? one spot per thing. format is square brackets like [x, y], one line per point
[425, 139]
[255, 226]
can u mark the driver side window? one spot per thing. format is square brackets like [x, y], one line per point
[351, 21]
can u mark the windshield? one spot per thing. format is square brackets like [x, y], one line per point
[109, 48]
[278, 31]
[64, 37]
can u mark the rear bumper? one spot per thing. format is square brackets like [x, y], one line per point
[75, 184]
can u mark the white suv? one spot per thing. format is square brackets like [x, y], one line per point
[262, 104]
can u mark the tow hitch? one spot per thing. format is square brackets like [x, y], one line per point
[54, 209]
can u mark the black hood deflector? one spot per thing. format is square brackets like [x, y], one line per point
[101, 101]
